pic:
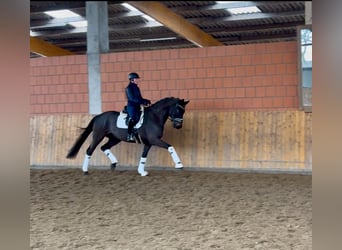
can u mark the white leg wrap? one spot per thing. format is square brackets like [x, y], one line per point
[85, 163]
[175, 157]
[141, 167]
[110, 155]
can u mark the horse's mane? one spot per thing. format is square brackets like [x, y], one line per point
[165, 100]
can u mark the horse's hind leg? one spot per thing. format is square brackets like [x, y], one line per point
[112, 141]
[85, 164]
[141, 167]
[90, 150]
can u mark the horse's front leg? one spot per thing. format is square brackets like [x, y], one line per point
[172, 151]
[175, 157]
[142, 162]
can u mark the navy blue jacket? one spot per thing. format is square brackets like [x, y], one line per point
[134, 99]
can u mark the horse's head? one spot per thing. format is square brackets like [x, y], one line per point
[176, 113]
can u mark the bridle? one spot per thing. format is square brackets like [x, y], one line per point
[177, 119]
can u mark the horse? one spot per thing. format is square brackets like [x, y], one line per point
[150, 132]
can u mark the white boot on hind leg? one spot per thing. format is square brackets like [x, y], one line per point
[141, 167]
[143, 173]
[110, 156]
[179, 165]
[85, 164]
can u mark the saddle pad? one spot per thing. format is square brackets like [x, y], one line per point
[121, 121]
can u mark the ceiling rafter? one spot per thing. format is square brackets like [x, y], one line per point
[176, 23]
[41, 47]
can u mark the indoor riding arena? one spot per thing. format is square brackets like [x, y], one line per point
[245, 143]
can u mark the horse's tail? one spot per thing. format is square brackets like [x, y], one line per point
[80, 140]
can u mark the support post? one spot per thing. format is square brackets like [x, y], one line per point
[308, 12]
[97, 43]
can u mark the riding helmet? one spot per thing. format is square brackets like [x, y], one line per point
[133, 75]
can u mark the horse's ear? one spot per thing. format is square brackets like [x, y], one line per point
[186, 101]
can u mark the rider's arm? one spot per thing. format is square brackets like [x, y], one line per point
[134, 96]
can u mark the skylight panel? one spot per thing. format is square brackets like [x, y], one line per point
[244, 10]
[64, 17]
[130, 7]
[146, 17]
[61, 13]
[151, 20]
[79, 24]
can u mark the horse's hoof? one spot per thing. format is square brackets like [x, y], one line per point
[144, 173]
[113, 166]
[179, 165]
[85, 173]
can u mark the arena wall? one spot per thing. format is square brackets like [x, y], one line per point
[243, 111]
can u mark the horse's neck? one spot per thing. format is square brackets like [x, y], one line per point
[162, 112]
[163, 109]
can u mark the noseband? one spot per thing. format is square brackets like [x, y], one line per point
[178, 120]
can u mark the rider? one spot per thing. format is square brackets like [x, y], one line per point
[134, 100]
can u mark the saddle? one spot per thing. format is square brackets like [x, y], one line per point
[122, 121]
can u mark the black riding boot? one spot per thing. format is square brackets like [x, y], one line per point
[130, 137]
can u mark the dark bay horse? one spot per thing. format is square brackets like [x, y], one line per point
[149, 133]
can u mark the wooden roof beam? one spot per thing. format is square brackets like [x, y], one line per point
[47, 49]
[176, 23]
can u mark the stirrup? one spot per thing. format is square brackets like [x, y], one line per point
[130, 138]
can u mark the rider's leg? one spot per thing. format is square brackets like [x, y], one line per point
[134, 115]
[130, 124]
[130, 136]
